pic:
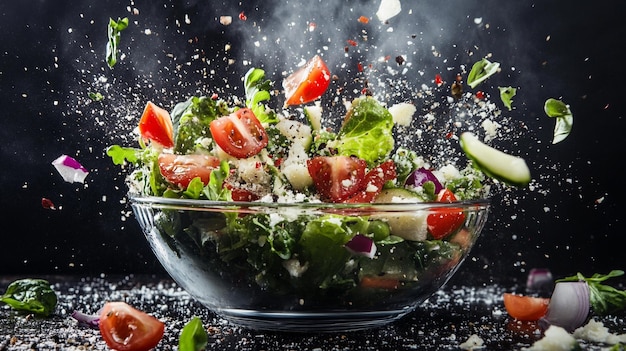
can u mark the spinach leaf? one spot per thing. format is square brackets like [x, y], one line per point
[193, 337]
[31, 295]
[564, 118]
[113, 31]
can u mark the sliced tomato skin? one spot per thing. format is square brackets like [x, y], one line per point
[525, 308]
[239, 134]
[125, 328]
[181, 169]
[445, 221]
[336, 178]
[375, 282]
[156, 125]
[307, 83]
[374, 181]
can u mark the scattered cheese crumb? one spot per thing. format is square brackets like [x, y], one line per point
[473, 342]
[388, 9]
[402, 113]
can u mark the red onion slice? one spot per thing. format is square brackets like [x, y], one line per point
[569, 305]
[91, 321]
[70, 169]
[362, 245]
[421, 176]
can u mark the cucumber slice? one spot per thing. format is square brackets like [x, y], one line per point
[507, 168]
[410, 225]
[313, 114]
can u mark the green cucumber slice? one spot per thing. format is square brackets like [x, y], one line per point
[313, 114]
[507, 168]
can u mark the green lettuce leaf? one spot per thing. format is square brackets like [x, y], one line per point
[480, 71]
[367, 132]
[506, 95]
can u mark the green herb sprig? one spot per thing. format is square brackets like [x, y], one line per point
[604, 299]
[113, 31]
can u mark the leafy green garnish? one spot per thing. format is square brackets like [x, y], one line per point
[480, 71]
[406, 162]
[506, 95]
[191, 120]
[564, 118]
[113, 30]
[604, 299]
[258, 90]
[31, 295]
[193, 337]
[367, 132]
[120, 154]
[95, 96]
[215, 189]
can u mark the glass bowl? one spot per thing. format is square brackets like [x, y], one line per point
[299, 266]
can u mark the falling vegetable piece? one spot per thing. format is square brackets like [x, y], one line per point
[480, 71]
[307, 83]
[113, 30]
[388, 9]
[506, 95]
[156, 125]
[495, 163]
[564, 118]
[70, 169]
[47, 204]
[193, 337]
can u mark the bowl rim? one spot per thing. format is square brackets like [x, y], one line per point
[158, 201]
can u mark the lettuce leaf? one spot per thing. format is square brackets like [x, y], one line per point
[366, 132]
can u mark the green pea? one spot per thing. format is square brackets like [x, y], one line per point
[378, 229]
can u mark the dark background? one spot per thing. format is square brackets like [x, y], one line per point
[52, 56]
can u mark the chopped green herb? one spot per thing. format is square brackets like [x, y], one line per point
[113, 30]
[96, 96]
[564, 118]
[193, 337]
[604, 299]
[258, 90]
[506, 95]
[31, 295]
[480, 71]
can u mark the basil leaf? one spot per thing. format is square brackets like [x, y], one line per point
[31, 295]
[113, 33]
[564, 118]
[258, 90]
[480, 71]
[506, 95]
[193, 337]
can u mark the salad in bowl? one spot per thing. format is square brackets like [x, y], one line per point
[277, 222]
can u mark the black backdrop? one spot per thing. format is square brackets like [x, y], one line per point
[52, 56]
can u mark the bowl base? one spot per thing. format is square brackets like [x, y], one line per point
[311, 322]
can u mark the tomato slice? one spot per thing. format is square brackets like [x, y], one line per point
[525, 308]
[374, 181]
[125, 328]
[156, 125]
[181, 169]
[444, 221]
[307, 83]
[376, 282]
[239, 134]
[337, 178]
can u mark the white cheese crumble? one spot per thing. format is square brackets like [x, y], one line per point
[402, 113]
[554, 339]
[472, 343]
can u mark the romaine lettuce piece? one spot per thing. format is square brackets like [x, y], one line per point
[366, 132]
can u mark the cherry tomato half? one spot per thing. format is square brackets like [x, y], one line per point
[125, 328]
[525, 308]
[307, 83]
[181, 169]
[444, 221]
[156, 125]
[337, 178]
[239, 134]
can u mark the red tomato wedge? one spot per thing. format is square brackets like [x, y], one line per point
[156, 125]
[375, 282]
[125, 328]
[525, 308]
[374, 181]
[445, 221]
[337, 178]
[239, 134]
[307, 83]
[181, 169]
